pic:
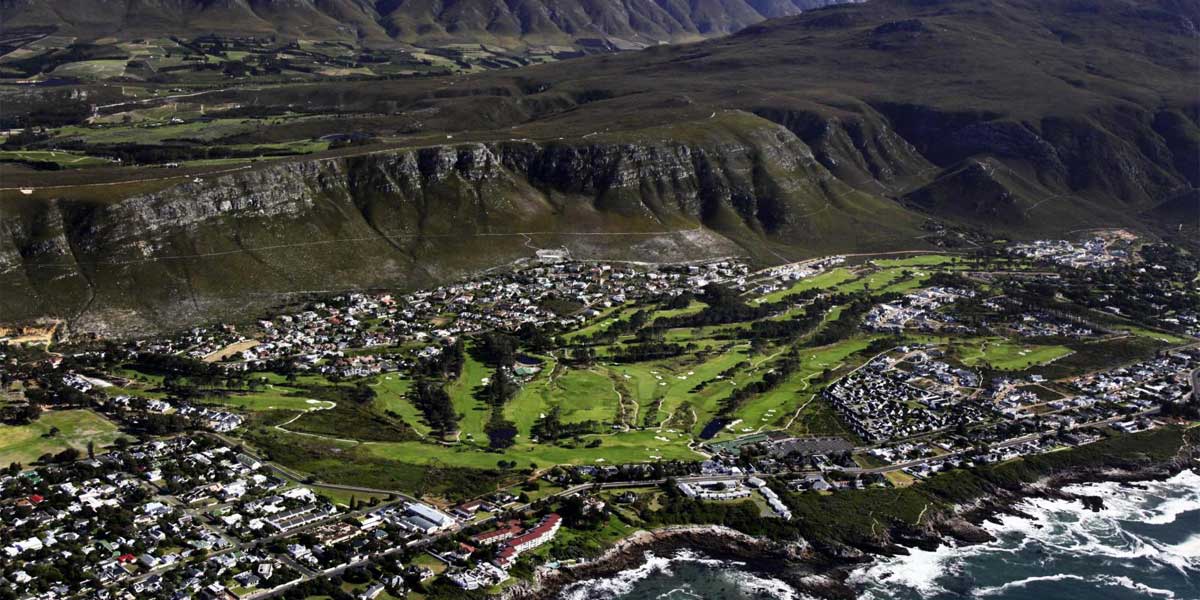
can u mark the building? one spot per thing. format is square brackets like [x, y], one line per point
[540, 534]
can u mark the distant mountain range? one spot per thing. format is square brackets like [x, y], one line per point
[505, 22]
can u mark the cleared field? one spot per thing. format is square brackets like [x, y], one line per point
[146, 134]
[1008, 355]
[58, 157]
[25, 443]
[92, 69]
[274, 398]
[233, 349]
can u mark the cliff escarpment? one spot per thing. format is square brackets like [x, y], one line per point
[224, 246]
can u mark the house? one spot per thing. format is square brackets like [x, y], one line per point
[372, 592]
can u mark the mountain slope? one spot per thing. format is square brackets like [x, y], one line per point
[420, 216]
[412, 21]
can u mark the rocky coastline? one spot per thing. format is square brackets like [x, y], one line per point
[822, 569]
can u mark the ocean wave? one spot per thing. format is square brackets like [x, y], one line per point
[1065, 526]
[678, 593]
[620, 584]
[919, 570]
[756, 585]
[1108, 580]
[1050, 530]
[1151, 502]
[731, 572]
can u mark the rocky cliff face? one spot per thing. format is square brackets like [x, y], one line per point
[412, 217]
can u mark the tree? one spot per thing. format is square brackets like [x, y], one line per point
[67, 455]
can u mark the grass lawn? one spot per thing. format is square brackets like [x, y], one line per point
[601, 323]
[474, 415]
[616, 448]
[277, 379]
[92, 69]
[532, 401]
[907, 284]
[25, 443]
[580, 394]
[691, 309]
[1156, 335]
[923, 260]
[675, 379]
[391, 394]
[585, 396]
[824, 280]
[339, 496]
[777, 406]
[877, 281]
[640, 386]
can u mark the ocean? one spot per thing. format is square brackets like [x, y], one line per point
[1144, 544]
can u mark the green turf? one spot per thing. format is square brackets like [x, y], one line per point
[600, 323]
[694, 307]
[25, 443]
[876, 281]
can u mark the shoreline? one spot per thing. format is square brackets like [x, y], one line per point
[821, 569]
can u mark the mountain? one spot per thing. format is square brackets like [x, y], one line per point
[849, 128]
[504, 22]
